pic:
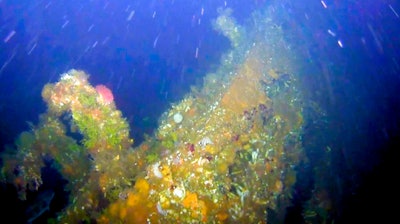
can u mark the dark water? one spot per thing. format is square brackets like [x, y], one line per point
[358, 84]
[145, 51]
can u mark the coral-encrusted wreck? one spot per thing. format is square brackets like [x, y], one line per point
[229, 159]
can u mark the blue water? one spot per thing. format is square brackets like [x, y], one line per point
[145, 51]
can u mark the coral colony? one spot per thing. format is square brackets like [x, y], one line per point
[105, 93]
[225, 154]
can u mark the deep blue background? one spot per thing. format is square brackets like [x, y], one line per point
[149, 62]
[358, 87]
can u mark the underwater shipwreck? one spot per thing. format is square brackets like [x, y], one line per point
[226, 153]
